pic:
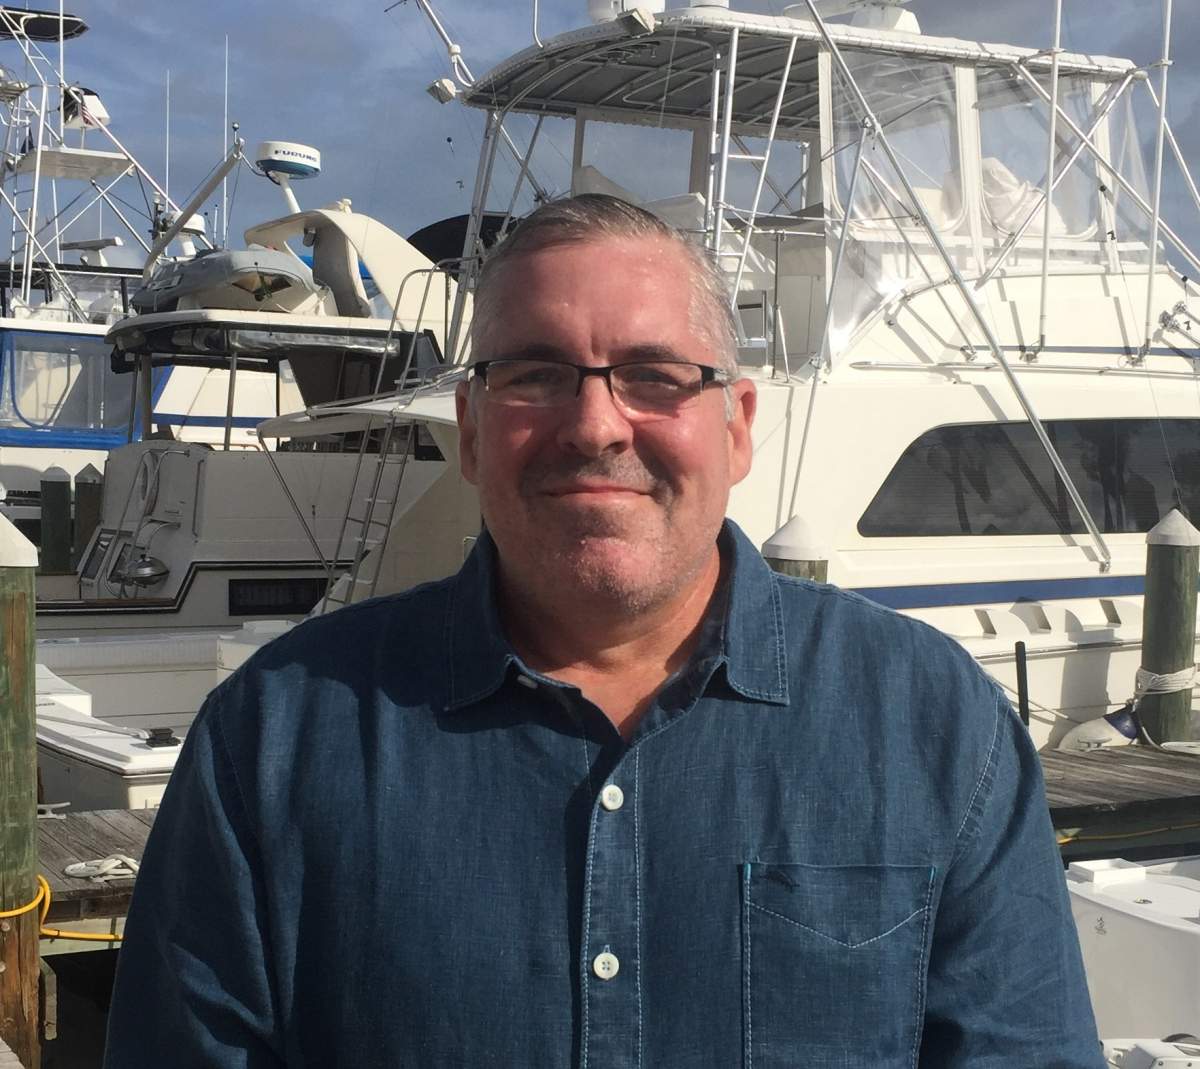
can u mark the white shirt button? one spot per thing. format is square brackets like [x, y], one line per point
[606, 965]
[612, 797]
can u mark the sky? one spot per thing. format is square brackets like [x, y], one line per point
[349, 79]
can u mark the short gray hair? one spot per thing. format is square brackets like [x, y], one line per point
[596, 217]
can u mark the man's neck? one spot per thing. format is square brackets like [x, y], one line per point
[618, 659]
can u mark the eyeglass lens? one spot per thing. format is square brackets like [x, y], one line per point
[654, 386]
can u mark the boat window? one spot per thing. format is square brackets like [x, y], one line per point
[914, 102]
[1013, 133]
[91, 567]
[636, 163]
[996, 479]
[53, 382]
[275, 597]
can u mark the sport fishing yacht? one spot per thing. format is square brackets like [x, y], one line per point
[193, 536]
[67, 184]
[969, 323]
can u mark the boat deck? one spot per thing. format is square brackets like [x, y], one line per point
[1133, 801]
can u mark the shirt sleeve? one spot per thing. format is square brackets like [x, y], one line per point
[1006, 987]
[193, 985]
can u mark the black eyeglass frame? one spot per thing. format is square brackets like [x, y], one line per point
[708, 374]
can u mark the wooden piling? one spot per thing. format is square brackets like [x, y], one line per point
[1169, 623]
[56, 521]
[89, 494]
[19, 963]
[792, 551]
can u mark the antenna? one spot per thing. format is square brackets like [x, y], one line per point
[167, 166]
[62, 74]
[225, 134]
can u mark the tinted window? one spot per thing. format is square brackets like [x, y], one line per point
[995, 479]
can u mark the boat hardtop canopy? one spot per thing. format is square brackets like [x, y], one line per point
[38, 25]
[663, 75]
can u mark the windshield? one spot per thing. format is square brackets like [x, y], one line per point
[61, 384]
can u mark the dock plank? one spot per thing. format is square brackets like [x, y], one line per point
[1110, 779]
[1133, 802]
[88, 836]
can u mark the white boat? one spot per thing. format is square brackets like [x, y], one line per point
[1152, 1053]
[198, 543]
[196, 537]
[1139, 930]
[65, 178]
[932, 431]
[108, 740]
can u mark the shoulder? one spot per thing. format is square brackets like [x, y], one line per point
[879, 638]
[893, 682]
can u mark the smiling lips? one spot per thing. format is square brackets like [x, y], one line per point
[590, 489]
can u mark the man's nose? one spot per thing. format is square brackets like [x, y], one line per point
[593, 422]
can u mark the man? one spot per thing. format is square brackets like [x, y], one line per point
[616, 794]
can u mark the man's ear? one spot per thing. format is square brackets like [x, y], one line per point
[466, 430]
[741, 444]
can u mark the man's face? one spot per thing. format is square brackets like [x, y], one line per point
[588, 497]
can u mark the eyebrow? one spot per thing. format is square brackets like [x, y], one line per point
[628, 355]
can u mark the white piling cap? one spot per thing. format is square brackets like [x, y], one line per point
[56, 475]
[16, 551]
[794, 541]
[88, 474]
[1173, 530]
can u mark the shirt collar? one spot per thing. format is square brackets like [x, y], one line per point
[755, 636]
[754, 641]
[479, 655]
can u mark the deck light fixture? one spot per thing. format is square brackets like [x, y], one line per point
[638, 22]
[443, 90]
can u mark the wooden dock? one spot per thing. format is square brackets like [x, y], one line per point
[1132, 801]
[82, 905]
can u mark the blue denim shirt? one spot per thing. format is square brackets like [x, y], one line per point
[390, 843]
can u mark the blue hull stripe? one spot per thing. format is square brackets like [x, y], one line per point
[939, 594]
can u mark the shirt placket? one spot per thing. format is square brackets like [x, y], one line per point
[611, 967]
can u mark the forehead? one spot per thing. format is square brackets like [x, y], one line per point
[610, 292]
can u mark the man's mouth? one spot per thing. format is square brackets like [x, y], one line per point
[594, 489]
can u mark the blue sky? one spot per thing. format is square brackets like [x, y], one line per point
[349, 79]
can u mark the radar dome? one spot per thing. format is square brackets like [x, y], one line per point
[287, 158]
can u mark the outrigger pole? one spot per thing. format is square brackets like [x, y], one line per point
[1050, 154]
[462, 72]
[870, 121]
[1165, 65]
[1110, 170]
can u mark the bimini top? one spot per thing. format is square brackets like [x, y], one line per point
[38, 25]
[665, 75]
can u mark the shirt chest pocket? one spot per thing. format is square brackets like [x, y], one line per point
[833, 964]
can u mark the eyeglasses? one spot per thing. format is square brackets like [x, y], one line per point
[645, 387]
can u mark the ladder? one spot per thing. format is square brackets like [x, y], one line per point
[367, 529]
[718, 204]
